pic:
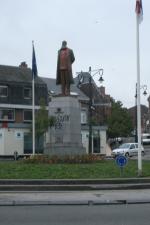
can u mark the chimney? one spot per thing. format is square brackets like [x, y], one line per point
[102, 90]
[23, 65]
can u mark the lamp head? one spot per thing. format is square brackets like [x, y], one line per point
[101, 79]
[145, 93]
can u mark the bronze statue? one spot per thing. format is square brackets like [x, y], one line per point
[64, 68]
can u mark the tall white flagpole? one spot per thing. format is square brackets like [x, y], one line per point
[138, 98]
[33, 110]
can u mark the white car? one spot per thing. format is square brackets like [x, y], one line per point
[127, 149]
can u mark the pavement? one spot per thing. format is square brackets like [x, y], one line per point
[103, 197]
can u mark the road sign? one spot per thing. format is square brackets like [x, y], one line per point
[121, 161]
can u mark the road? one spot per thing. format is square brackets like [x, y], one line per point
[106, 207]
[147, 153]
[76, 215]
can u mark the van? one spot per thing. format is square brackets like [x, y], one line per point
[145, 138]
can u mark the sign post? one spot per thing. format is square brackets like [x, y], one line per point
[121, 161]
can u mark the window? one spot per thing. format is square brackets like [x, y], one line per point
[27, 115]
[18, 134]
[3, 91]
[27, 93]
[132, 146]
[7, 114]
[83, 117]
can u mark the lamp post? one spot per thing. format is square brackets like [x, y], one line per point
[100, 72]
[138, 109]
[144, 87]
[81, 80]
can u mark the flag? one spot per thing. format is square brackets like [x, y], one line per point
[34, 74]
[139, 10]
[34, 66]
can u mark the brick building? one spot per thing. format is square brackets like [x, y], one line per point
[16, 107]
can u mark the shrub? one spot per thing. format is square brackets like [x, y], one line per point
[64, 159]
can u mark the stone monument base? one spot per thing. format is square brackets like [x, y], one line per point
[65, 137]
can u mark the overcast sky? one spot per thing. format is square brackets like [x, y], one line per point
[102, 34]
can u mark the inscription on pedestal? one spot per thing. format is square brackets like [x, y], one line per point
[60, 118]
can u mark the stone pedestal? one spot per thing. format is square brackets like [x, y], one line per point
[65, 137]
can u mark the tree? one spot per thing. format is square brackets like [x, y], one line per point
[52, 122]
[42, 121]
[119, 122]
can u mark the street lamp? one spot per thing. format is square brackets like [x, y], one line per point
[144, 87]
[100, 72]
[81, 80]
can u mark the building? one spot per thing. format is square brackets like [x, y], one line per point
[101, 102]
[144, 117]
[16, 108]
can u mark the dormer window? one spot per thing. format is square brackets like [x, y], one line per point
[27, 93]
[3, 91]
[83, 117]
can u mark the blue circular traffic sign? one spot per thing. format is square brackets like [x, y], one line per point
[121, 160]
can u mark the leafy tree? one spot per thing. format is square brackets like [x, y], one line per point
[119, 122]
[52, 122]
[42, 121]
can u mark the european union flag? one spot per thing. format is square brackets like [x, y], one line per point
[34, 66]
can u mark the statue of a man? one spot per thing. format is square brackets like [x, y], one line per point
[64, 68]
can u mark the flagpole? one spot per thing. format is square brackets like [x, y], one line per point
[33, 111]
[138, 97]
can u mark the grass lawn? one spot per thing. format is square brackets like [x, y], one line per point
[102, 169]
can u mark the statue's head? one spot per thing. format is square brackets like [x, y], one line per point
[64, 44]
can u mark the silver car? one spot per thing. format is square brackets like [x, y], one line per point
[127, 149]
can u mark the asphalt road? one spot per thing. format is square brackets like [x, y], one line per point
[147, 153]
[76, 215]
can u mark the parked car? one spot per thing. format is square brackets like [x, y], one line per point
[127, 149]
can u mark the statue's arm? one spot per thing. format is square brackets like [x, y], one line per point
[72, 56]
